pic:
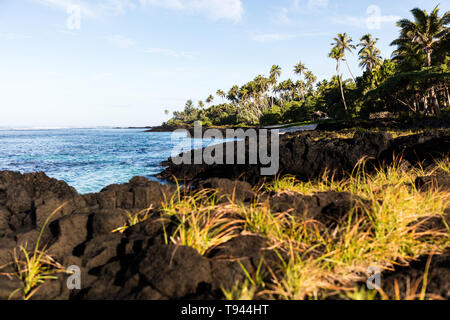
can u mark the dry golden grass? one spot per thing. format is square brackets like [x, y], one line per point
[387, 232]
[35, 268]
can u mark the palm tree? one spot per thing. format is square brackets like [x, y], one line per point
[210, 99]
[166, 112]
[300, 69]
[370, 58]
[233, 94]
[344, 43]
[310, 80]
[369, 55]
[338, 54]
[189, 104]
[367, 41]
[201, 104]
[275, 73]
[426, 31]
[221, 94]
[408, 55]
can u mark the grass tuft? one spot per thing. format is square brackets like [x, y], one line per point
[35, 268]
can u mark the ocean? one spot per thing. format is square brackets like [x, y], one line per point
[89, 159]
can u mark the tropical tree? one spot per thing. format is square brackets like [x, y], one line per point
[233, 94]
[310, 80]
[210, 99]
[300, 69]
[275, 73]
[338, 54]
[369, 55]
[344, 43]
[426, 31]
[221, 94]
[189, 104]
[425, 34]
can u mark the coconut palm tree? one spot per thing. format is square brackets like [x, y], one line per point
[344, 43]
[233, 94]
[367, 41]
[210, 99]
[300, 69]
[370, 58]
[408, 55]
[310, 80]
[338, 54]
[221, 94]
[275, 73]
[369, 55]
[189, 104]
[426, 31]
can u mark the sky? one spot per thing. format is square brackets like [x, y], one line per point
[88, 63]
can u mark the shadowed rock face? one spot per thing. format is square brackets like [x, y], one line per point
[409, 280]
[308, 158]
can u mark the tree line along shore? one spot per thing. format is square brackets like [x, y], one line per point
[413, 83]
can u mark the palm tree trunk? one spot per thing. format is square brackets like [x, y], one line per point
[447, 96]
[436, 107]
[425, 104]
[342, 89]
[428, 53]
[348, 66]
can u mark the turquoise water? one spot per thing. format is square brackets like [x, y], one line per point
[88, 159]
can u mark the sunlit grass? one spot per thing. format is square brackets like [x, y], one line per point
[134, 219]
[201, 223]
[35, 268]
[383, 229]
[387, 232]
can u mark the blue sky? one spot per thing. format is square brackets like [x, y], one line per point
[123, 62]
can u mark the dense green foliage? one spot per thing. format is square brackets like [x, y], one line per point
[416, 81]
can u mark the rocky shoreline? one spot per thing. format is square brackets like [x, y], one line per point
[140, 264]
[308, 155]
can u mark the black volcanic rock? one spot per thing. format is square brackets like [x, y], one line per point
[142, 263]
[308, 157]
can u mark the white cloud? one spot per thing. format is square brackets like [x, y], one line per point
[64, 5]
[299, 7]
[271, 37]
[121, 41]
[317, 4]
[214, 9]
[369, 23]
[283, 16]
[170, 52]
[12, 36]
